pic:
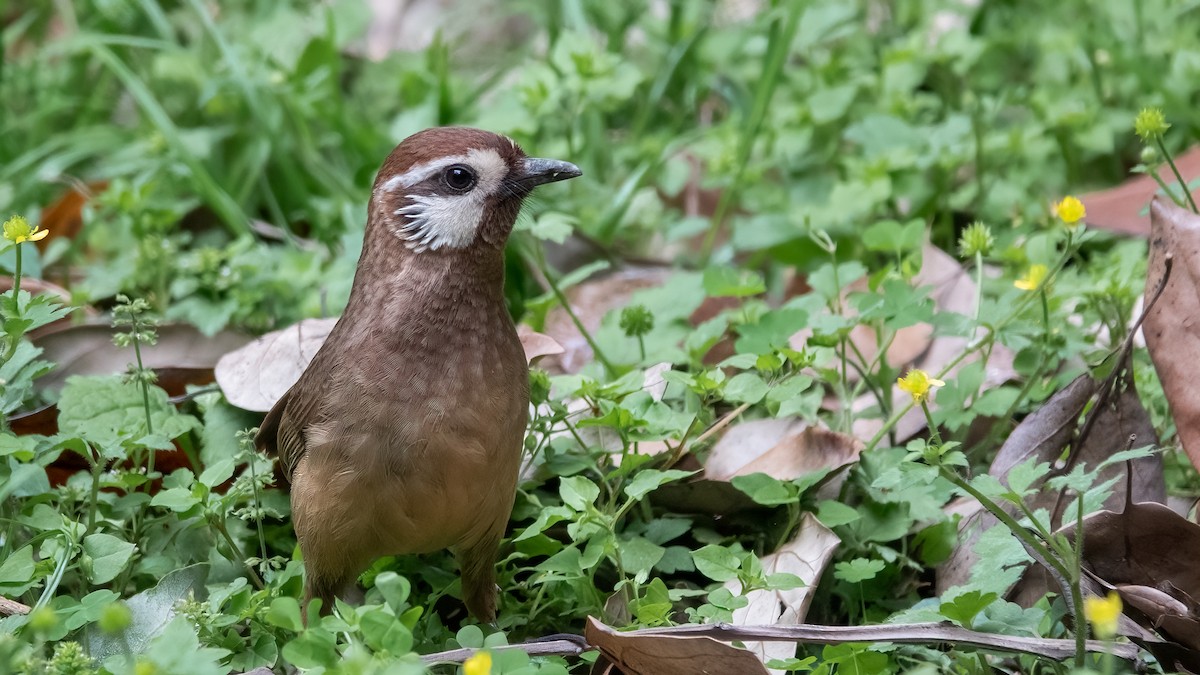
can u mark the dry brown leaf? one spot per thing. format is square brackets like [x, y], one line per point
[1171, 328]
[64, 218]
[670, 654]
[537, 344]
[89, 350]
[257, 375]
[1041, 436]
[591, 300]
[794, 455]
[806, 556]
[1119, 209]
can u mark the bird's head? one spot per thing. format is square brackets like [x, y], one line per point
[451, 188]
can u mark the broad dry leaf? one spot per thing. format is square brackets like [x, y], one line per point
[1172, 327]
[806, 556]
[794, 455]
[1119, 209]
[89, 350]
[591, 300]
[670, 654]
[256, 376]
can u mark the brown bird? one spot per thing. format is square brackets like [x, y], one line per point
[404, 435]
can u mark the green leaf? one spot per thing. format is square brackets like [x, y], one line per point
[638, 554]
[176, 499]
[831, 513]
[721, 281]
[109, 556]
[647, 480]
[765, 490]
[858, 570]
[745, 388]
[178, 650]
[313, 648]
[470, 637]
[578, 492]
[717, 562]
[217, 472]
[384, 632]
[18, 568]
[771, 332]
[963, 609]
[109, 412]
[395, 589]
[285, 613]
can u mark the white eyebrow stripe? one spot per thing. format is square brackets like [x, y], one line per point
[419, 173]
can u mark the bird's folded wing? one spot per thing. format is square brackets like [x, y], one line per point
[282, 430]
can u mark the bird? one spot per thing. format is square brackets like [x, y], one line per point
[405, 432]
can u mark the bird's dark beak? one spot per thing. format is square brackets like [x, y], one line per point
[535, 171]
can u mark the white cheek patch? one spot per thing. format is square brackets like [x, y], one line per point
[430, 222]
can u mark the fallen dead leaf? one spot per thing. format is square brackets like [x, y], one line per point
[89, 350]
[537, 344]
[257, 375]
[64, 218]
[792, 456]
[591, 300]
[669, 654]
[1041, 437]
[1171, 328]
[806, 556]
[1119, 209]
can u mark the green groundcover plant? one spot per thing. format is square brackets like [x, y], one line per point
[763, 156]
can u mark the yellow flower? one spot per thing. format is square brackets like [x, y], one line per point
[1034, 276]
[1103, 613]
[1070, 210]
[480, 664]
[918, 383]
[18, 230]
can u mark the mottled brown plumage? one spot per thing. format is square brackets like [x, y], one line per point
[404, 434]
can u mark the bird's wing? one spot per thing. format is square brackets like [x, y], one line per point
[282, 430]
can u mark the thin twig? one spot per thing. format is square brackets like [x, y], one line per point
[919, 633]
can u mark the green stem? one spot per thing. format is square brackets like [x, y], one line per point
[219, 525]
[1081, 625]
[566, 305]
[1040, 548]
[137, 352]
[17, 277]
[1178, 176]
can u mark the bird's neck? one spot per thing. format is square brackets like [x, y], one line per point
[392, 280]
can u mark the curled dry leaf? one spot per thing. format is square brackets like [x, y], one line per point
[1171, 328]
[806, 556]
[669, 654]
[1119, 209]
[257, 375]
[537, 344]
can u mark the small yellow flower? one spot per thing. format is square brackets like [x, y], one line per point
[918, 383]
[1103, 613]
[1070, 210]
[18, 230]
[1033, 279]
[480, 664]
[1150, 124]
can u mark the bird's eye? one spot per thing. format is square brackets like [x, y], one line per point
[459, 178]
